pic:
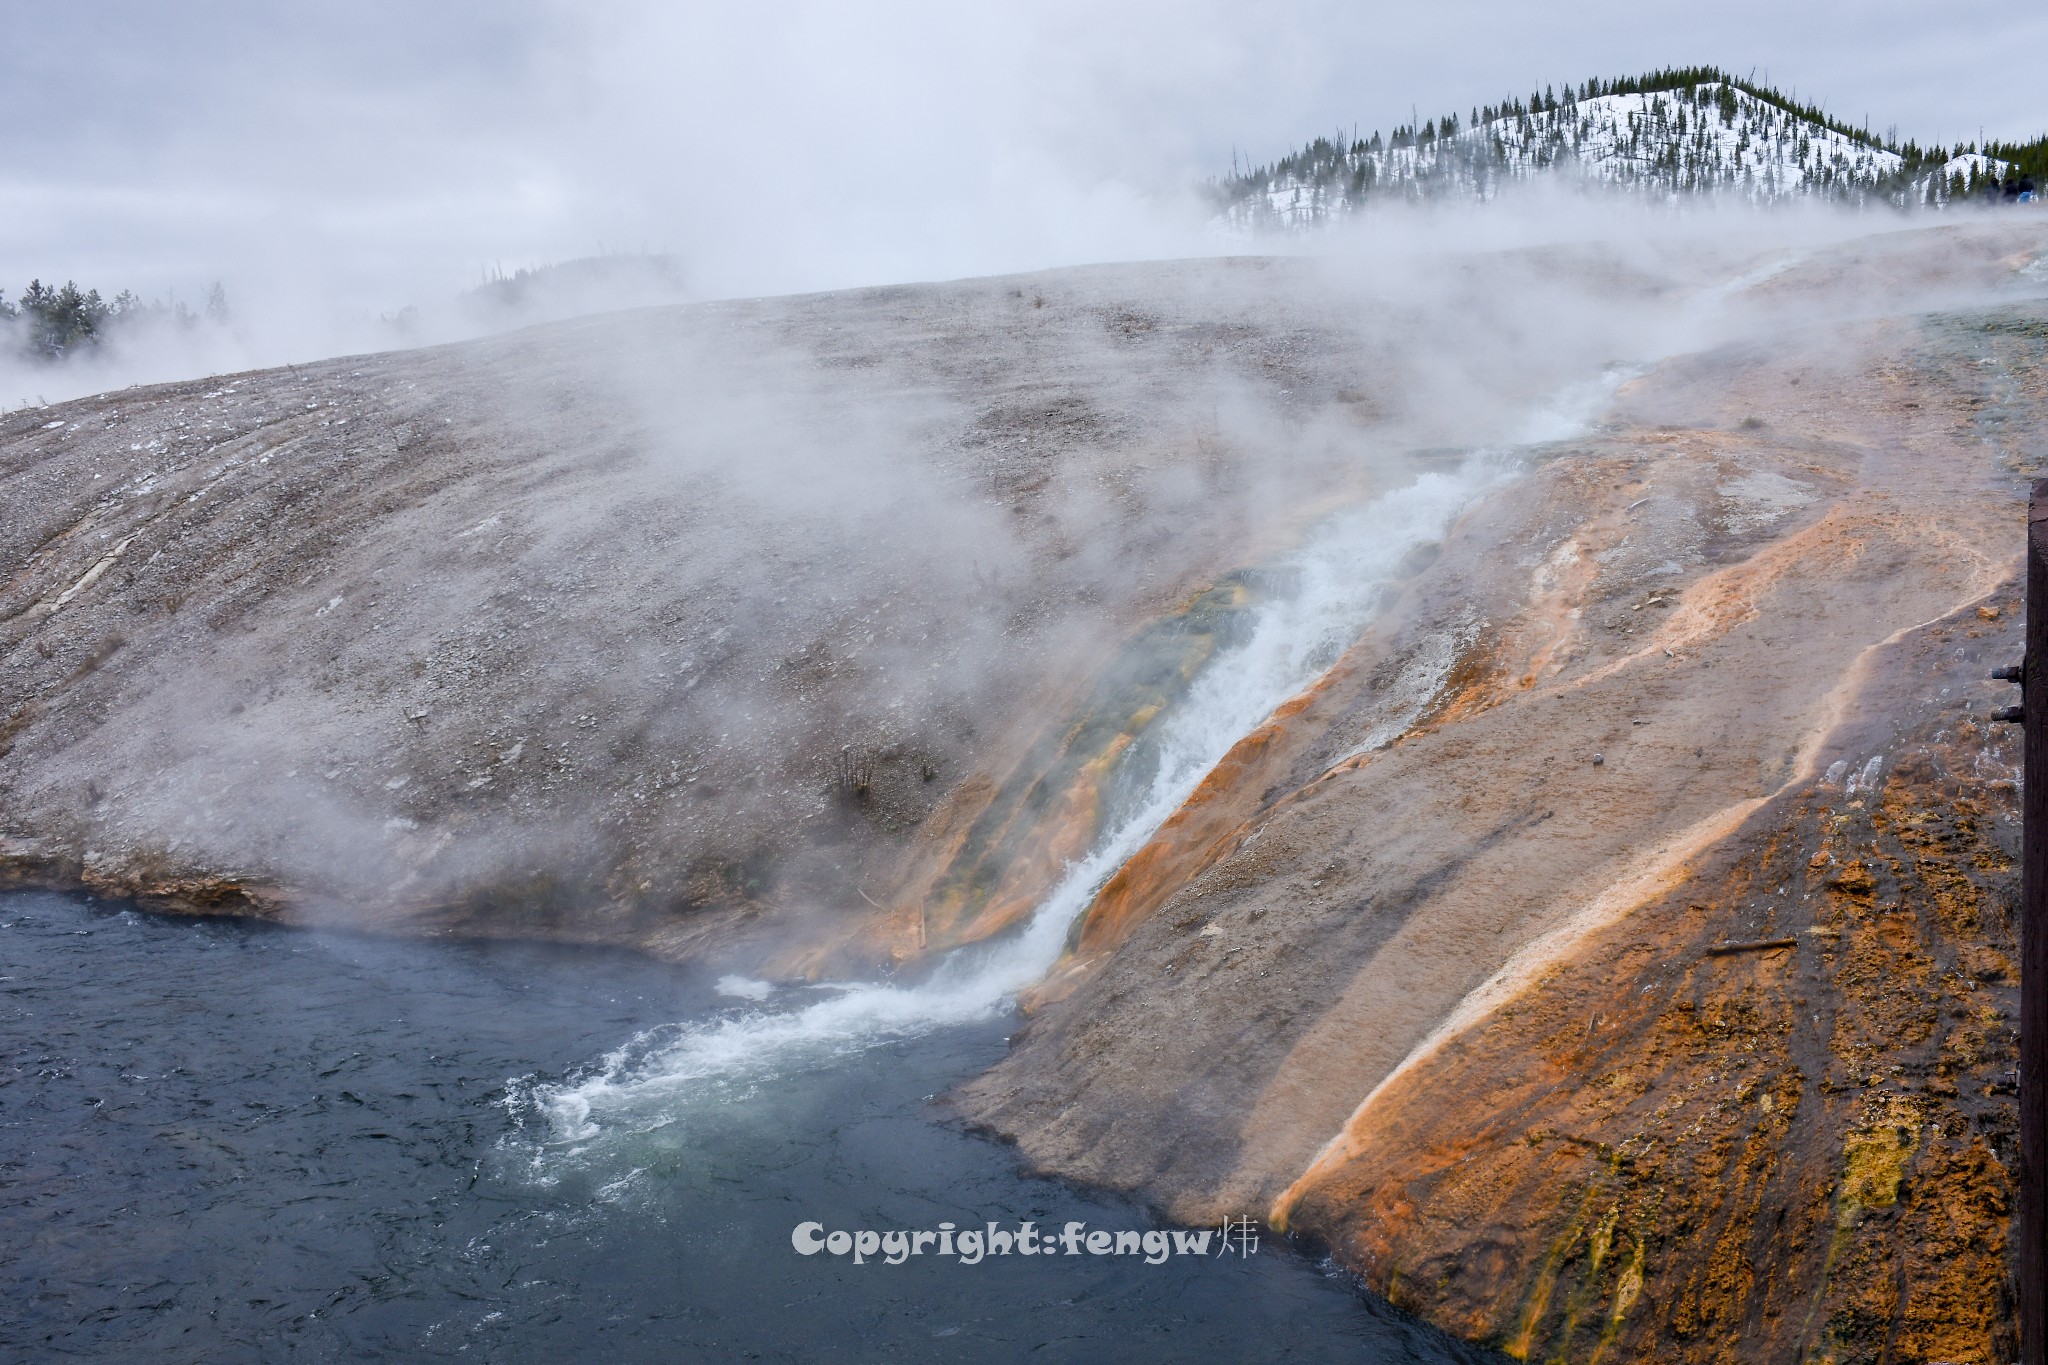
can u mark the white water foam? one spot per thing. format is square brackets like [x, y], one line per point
[745, 988]
[1572, 409]
[1336, 584]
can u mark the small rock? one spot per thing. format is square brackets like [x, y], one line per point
[1599, 759]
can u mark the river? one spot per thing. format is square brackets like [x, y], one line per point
[221, 1141]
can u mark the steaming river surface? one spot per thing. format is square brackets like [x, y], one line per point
[221, 1141]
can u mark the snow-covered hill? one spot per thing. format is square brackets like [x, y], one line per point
[1672, 133]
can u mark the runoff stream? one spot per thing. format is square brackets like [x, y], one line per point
[222, 1141]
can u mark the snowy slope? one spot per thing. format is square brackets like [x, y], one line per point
[1710, 137]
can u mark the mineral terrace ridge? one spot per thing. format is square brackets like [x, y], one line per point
[1609, 957]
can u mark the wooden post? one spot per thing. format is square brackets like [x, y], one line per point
[2033, 1208]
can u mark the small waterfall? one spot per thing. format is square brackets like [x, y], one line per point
[1336, 583]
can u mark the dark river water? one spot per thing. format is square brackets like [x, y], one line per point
[226, 1142]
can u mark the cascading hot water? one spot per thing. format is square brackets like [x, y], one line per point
[1333, 586]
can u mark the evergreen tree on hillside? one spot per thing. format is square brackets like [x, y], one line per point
[54, 323]
[61, 320]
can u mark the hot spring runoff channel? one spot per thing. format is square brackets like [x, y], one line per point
[225, 1142]
[220, 1141]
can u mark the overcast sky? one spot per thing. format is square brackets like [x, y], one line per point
[380, 152]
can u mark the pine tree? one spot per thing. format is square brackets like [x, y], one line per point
[61, 320]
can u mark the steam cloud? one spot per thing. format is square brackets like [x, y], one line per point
[335, 164]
